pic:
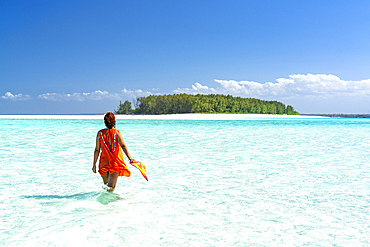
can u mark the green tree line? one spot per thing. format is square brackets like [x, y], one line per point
[200, 103]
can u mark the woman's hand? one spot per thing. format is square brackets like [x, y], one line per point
[132, 161]
[94, 168]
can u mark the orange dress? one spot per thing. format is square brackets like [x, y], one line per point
[111, 157]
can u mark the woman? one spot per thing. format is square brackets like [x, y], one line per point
[111, 163]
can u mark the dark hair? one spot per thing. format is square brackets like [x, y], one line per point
[109, 120]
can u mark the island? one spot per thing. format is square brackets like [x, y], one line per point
[200, 103]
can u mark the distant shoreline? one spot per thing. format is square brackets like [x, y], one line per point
[339, 115]
[184, 116]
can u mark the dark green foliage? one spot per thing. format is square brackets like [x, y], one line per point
[290, 110]
[211, 103]
[124, 108]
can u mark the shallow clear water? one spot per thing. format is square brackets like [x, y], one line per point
[276, 182]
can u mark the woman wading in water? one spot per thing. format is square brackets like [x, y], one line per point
[111, 163]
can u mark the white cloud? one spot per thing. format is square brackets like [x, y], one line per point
[97, 95]
[9, 95]
[295, 86]
[321, 84]
[52, 96]
[195, 89]
[63, 97]
[134, 94]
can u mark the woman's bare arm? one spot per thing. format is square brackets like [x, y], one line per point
[96, 152]
[123, 146]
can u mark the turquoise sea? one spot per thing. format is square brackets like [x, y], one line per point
[257, 182]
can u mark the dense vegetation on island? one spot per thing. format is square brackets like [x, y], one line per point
[200, 103]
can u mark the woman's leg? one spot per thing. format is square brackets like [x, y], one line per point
[112, 181]
[105, 178]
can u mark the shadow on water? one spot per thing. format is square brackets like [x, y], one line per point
[107, 197]
[103, 197]
[78, 196]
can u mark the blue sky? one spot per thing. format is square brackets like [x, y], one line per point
[60, 57]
